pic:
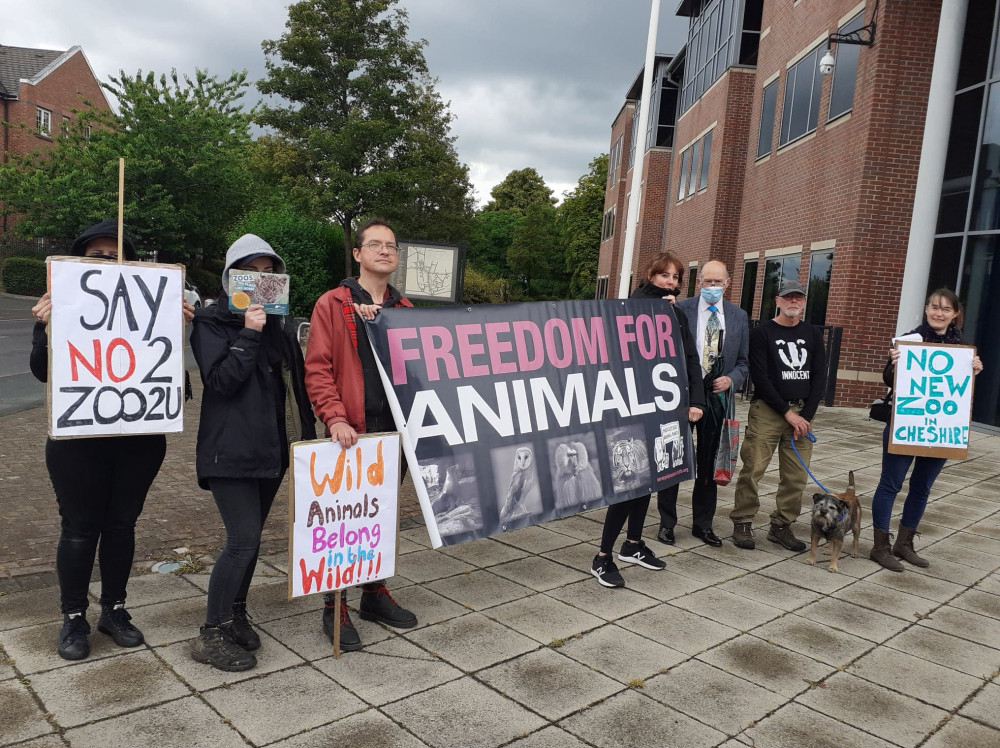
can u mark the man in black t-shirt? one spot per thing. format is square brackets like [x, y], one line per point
[788, 369]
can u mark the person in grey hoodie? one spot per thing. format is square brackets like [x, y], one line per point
[251, 366]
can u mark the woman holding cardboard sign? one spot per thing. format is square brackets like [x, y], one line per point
[100, 486]
[942, 324]
[252, 368]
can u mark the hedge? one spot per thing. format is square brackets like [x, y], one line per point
[23, 275]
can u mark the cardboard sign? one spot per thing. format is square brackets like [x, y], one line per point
[116, 348]
[343, 528]
[932, 407]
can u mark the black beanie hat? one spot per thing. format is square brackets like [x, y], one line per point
[108, 229]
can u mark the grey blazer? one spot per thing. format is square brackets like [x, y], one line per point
[735, 342]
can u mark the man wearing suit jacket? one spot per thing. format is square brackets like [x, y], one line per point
[710, 318]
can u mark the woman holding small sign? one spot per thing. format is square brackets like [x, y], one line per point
[100, 486]
[251, 366]
[942, 323]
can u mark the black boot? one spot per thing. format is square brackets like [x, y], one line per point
[216, 647]
[243, 633]
[115, 622]
[73, 641]
[350, 641]
[377, 605]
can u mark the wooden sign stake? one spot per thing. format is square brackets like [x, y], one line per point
[121, 205]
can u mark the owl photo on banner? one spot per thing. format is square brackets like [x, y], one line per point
[515, 474]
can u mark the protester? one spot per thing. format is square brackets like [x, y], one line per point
[100, 485]
[788, 369]
[664, 277]
[943, 316]
[252, 369]
[722, 343]
[345, 387]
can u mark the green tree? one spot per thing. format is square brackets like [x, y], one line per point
[519, 190]
[184, 142]
[579, 217]
[357, 133]
[536, 256]
[490, 237]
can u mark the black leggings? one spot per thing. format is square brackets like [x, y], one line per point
[634, 510]
[100, 486]
[244, 504]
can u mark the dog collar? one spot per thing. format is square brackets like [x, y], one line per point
[842, 515]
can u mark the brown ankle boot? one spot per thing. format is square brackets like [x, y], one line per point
[903, 548]
[882, 552]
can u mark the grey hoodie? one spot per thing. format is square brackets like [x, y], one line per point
[248, 247]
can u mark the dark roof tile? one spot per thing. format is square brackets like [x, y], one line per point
[22, 62]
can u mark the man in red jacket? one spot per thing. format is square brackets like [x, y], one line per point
[343, 383]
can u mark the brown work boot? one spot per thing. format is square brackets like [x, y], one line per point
[783, 536]
[903, 547]
[743, 535]
[882, 552]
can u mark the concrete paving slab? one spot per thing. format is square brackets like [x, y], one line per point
[949, 571]
[770, 591]
[92, 690]
[429, 607]
[484, 552]
[543, 618]
[478, 589]
[915, 583]
[794, 726]
[302, 696]
[711, 696]
[813, 578]
[988, 527]
[991, 585]
[184, 723]
[148, 589]
[915, 677]
[539, 573]
[776, 668]
[985, 706]
[550, 737]
[487, 717]
[303, 634]
[6, 667]
[368, 729]
[853, 619]
[426, 566]
[727, 608]
[950, 651]
[263, 573]
[660, 585]
[813, 639]
[678, 629]
[975, 601]
[579, 556]
[886, 600]
[29, 608]
[416, 535]
[949, 550]
[22, 719]
[536, 539]
[753, 560]
[965, 625]
[577, 526]
[622, 654]
[610, 605]
[549, 683]
[169, 622]
[872, 708]
[33, 649]
[630, 718]
[978, 543]
[704, 569]
[962, 733]
[268, 602]
[46, 741]
[472, 641]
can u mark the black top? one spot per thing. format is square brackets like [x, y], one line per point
[788, 364]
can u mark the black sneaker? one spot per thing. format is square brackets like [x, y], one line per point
[638, 553]
[377, 605]
[243, 633]
[214, 646]
[349, 639]
[782, 535]
[606, 572]
[73, 641]
[115, 622]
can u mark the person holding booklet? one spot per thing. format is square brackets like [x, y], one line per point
[252, 368]
[943, 316]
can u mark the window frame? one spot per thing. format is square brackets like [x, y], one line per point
[608, 224]
[772, 86]
[810, 63]
[851, 50]
[43, 121]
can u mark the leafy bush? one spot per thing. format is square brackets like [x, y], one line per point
[23, 275]
[313, 252]
[480, 288]
[209, 284]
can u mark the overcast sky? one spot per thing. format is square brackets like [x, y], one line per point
[531, 82]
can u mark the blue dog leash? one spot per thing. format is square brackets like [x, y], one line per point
[811, 437]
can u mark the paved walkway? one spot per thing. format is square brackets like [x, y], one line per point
[519, 646]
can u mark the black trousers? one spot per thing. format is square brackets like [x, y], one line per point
[705, 494]
[633, 510]
[100, 486]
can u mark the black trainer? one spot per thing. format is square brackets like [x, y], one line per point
[115, 622]
[73, 641]
[243, 633]
[638, 553]
[606, 572]
[349, 639]
[377, 605]
[214, 646]
[783, 536]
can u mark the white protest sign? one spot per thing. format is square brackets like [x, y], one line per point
[932, 406]
[116, 348]
[344, 519]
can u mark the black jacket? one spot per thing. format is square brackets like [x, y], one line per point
[238, 434]
[696, 387]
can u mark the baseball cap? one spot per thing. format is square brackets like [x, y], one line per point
[790, 286]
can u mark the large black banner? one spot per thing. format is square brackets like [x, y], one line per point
[515, 414]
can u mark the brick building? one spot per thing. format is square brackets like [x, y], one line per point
[784, 172]
[39, 91]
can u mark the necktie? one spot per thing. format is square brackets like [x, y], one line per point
[711, 351]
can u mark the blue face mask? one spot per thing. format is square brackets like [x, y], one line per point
[712, 295]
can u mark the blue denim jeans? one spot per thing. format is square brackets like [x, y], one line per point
[894, 469]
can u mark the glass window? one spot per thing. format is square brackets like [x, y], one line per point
[601, 291]
[986, 201]
[753, 11]
[944, 263]
[695, 167]
[635, 134]
[692, 280]
[608, 228]
[820, 268]
[43, 121]
[706, 155]
[711, 46]
[981, 296]
[976, 44]
[801, 108]
[959, 161]
[614, 161]
[768, 105]
[776, 269]
[668, 115]
[684, 174]
[748, 292]
[845, 72]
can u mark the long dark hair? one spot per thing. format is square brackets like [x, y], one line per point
[948, 295]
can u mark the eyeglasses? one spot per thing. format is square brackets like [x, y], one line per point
[376, 246]
[712, 284]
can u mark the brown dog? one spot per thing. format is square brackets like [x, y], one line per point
[832, 515]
